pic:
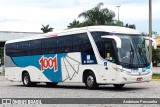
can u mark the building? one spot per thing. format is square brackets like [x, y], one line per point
[158, 41]
[7, 35]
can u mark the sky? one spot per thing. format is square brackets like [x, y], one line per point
[29, 15]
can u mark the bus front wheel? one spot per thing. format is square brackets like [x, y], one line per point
[90, 81]
[26, 80]
[118, 86]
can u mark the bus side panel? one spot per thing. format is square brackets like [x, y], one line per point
[110, 73]
[66, 68]
[11, 70]
[95, 68]
[13, 74]
[45, 68]
[71, 67]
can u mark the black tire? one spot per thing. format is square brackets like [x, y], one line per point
[26, 80]
[118, 86]
[52, 84]
[90, 81]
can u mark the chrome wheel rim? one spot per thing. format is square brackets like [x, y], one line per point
[90, 81]
[26, 79]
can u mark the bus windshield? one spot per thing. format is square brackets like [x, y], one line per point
[134, 51]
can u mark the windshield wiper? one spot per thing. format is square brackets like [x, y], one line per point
[131, 56]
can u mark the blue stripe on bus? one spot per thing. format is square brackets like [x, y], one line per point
[54, 76]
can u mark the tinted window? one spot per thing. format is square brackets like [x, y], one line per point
[105, 46]
[49, 46]
[64, 44]
[35, 47]
[81, 43]
[11, 49]
[22, 49]
[100, 42]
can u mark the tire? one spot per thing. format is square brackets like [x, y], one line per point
[52, 84]
[26, 80]
[118, 86]
[90, 81]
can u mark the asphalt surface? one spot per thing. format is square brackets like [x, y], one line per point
[76, 90]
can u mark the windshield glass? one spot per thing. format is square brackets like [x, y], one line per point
[134, 51]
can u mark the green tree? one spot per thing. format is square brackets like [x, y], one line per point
[116, 23]
[97, 15]
[120, 23]
[74, 24]
[155, 56]
[130, 26]
[46, 28]
[155, 34]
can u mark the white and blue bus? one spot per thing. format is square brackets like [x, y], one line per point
[95, 55]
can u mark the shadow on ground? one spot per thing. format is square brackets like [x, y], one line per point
[100, 88]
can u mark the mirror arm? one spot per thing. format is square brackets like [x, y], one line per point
[116, 39]
[153, 40]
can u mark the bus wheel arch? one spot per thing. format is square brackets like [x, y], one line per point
[89, 79]
[26, 79]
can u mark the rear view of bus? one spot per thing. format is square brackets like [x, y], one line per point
[95, 55]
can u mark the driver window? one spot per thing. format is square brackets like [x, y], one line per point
[105, 46]
[109, 50]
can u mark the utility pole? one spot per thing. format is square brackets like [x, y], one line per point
[118, 11]
[150, 28]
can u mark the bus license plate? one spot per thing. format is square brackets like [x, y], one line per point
[139, 79]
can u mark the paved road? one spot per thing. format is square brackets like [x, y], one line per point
[138, 90]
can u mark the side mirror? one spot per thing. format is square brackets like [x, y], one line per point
[153, 40]
[116, 39]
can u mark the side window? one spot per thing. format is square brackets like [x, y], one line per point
[100, 42]
[81, 43]
[64, 44]
[22, 48]
[109, 50]
[105, 46]
[49, 46]
[11, 49]
[35, 47]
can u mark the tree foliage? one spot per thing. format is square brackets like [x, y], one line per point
[116, 23]
[155, 34]
[74, 24]
[46, 28]
[98, 16]
[155, 56]
[130, 26]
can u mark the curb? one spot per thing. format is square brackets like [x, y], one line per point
[155, 80]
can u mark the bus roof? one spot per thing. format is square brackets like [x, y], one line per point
[111, 29]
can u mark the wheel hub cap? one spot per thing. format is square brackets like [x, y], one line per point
[90, 81]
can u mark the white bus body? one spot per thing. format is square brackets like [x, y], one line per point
[92, 55]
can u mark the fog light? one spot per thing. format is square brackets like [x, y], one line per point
[139, 79]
